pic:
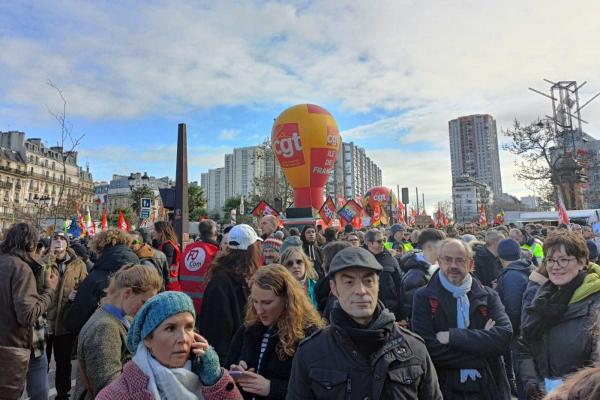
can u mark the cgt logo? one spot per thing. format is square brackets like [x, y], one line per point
[379, 197]
[288, 146]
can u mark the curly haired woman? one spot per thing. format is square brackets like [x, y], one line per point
[280, 317]
[112, 247]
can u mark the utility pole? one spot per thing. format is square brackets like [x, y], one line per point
[418, 209]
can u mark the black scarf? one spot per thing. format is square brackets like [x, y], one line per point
[367, 339]
[549, 305]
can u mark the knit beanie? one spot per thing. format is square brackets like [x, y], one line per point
[509, 250]
[396, 228]
[154, 312]
[271, 244]
[290, 241]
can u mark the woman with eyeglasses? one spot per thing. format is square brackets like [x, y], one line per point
[558, 330]
[300, 266]
[278, 318]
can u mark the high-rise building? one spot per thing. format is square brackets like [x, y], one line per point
[248, 164]
[475, 164]
[474, 150]
[215, 190]
[354, 173]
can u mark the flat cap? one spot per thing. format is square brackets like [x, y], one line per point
[354, 257]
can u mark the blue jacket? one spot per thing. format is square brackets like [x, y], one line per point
[511, 285]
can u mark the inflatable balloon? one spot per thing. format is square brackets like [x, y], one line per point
[306, 140]
[378, 203]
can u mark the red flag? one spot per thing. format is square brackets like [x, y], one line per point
[563, 217]
[401, 213]
[439, 218]
[81, 223]
[482, 217]
[104, 225]
[327, 211]
[121, 224]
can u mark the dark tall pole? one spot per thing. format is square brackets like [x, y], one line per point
[417, 197]
[181, 215]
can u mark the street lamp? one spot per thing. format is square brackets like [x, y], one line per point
[40, 204]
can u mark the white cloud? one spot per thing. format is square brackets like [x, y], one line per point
[228, 134]
[424, 63]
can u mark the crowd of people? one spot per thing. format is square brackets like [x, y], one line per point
[267, 312]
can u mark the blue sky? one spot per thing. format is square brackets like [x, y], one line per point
[392, 75]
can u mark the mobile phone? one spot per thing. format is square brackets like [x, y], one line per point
[236, 374]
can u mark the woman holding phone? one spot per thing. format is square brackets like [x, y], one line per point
[102, 346]
[279, 317]
[170, 359]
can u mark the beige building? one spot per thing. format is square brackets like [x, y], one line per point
[32, 176]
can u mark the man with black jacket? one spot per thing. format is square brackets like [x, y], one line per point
[418, 266]
[465, 328]
[390, 279]
[363, 354]
[487, 264]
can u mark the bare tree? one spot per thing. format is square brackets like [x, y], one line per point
[533, 145]
[65, 138]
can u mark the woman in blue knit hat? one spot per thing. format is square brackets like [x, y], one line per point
[171, 361]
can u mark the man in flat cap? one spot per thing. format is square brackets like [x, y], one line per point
[363, 353]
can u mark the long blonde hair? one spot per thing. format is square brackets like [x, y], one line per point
[299, 314]
[140, 278]
[310, 269]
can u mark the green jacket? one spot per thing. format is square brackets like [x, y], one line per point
[536, 250]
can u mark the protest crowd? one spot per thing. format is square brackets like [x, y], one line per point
[272, 312]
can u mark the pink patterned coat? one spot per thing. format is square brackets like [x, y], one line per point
[132, 385]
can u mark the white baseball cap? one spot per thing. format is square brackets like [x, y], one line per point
[241, 237]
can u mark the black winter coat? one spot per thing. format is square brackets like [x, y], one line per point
[246, 346]
[416, 275]
[563, 348]
[223, 311]
[329, 366]
[390, 284]
[472, 348]
[487, 266]
[92, 288]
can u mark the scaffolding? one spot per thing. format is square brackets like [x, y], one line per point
[568, 173]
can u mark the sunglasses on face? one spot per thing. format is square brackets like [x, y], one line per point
[136, 242]
[291, 263]
[380, 241]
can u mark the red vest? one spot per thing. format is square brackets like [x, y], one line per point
[173, 283]
[193, 273]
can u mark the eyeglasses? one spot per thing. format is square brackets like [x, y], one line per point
[353, 240]
[455, 260]
[290, 263]
[562, 261]
[380, 241]
[135, 242]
